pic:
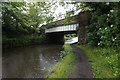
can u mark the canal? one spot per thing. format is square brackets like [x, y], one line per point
[30, 62]
[35, 61]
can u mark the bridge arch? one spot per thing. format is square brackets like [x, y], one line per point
[55, 31]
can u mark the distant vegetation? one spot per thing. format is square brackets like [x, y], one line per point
[22, 41]
[69, 36]
[20, 22]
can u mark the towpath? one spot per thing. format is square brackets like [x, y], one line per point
[82, 67]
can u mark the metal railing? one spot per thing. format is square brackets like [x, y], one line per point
[72, 27]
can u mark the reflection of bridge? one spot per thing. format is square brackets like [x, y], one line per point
[55, 31]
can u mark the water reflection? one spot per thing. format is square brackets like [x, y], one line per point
[30, 62]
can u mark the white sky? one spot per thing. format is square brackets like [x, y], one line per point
[58, 9]
[62, 10]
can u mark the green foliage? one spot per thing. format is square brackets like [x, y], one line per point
[21, 41]
[23, 19]
[65, 66]
[104, 29]
[67, 49]
[69, 36]
[104, 61]
[39, 40]
[63, 54]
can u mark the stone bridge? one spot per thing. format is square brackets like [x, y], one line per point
[76, 24]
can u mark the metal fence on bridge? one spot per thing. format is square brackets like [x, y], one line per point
[72, 27]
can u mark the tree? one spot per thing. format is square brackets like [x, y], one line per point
[20, 18]
[39, 14]
[14, 22]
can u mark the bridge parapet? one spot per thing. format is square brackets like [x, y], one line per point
[72, 27]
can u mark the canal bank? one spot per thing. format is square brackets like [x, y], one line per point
[22, 41]
[74, 65]
[65, 66]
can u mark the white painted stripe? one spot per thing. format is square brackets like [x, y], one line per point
[62, 28]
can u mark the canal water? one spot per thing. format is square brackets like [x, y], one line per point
[30, 62]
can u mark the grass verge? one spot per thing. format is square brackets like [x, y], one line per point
[104, 61]
[65, 66]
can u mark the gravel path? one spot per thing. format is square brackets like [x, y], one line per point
[83, 69]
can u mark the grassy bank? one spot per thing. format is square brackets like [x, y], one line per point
[65, 66]
[104, 61]
[21, 41]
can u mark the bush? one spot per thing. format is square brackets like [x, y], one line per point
[63, 54]
[104, 29]
[21, 41]
[67, 50]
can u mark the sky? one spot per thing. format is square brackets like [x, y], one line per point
[58, 9]
[62, 10]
